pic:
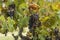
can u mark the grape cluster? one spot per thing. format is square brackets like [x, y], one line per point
[55, 34]
[34, 21]
[11, 10]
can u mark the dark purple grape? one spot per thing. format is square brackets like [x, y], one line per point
[11, 10]
[11, 13]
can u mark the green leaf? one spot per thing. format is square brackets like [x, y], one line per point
[11, 23]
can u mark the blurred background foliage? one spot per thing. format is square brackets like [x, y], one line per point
[49, 13]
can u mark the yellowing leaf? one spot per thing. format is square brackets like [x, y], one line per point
[44, 19]
[2, 18]
[56, 6]
[30, 1]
